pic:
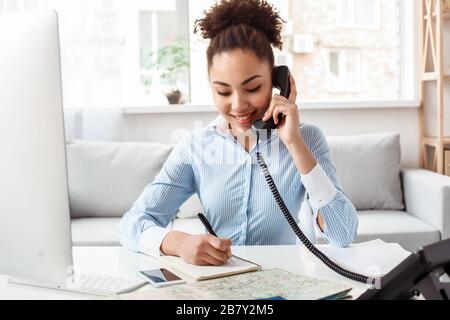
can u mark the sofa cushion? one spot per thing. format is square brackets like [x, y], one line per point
[368, 167]
[95, 232]
[105, 232]
[188, 225]
[105, 179]
[394, 226]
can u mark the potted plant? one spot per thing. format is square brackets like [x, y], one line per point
[170, 62]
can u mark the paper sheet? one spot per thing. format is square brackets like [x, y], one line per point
[374, 258]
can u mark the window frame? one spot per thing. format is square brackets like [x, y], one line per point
[342, 22]
[343, 86]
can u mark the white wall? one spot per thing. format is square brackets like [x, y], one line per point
[169, 127]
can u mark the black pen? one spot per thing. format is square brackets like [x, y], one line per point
[208, 226]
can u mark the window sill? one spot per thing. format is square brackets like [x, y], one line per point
[305, 105]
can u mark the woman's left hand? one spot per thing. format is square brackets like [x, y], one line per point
[289, 128]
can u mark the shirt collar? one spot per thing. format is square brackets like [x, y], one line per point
[220, 125]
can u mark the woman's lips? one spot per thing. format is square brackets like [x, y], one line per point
[247, 119]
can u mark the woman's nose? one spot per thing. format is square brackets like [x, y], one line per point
[239, 103]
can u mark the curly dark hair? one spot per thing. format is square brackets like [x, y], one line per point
[241, 24]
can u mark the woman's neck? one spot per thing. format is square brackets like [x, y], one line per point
[246, 138]
[241, 133]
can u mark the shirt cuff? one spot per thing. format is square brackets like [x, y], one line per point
[151, 240]
[319, 187]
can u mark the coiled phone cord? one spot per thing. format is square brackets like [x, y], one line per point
[319, 254]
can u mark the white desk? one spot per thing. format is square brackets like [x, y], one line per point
[118, 261]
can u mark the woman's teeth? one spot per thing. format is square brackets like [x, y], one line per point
[245, 117]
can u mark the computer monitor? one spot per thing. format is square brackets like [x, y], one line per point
[35, 234]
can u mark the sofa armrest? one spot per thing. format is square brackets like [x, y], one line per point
[427, 197]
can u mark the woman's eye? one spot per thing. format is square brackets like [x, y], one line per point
[255, 89]
[228, 93]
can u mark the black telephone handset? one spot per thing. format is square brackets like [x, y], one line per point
[280, 80]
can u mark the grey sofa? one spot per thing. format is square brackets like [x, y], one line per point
[408, 206]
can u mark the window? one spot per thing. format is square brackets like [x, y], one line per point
[336, 49]
[104, 46]
[336, 63]
[344, 70]
[354, 62]
[358, 14]
[163, 42]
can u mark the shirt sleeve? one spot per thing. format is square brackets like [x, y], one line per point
[326, 195]
[144, 226]
[319, 187]
[151, 239]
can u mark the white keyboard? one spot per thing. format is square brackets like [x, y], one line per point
[104, 286]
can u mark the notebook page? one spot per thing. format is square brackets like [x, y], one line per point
[233, 266]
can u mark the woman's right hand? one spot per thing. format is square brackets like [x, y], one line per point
[199, 250]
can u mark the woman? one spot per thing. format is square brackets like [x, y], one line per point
[219, 162]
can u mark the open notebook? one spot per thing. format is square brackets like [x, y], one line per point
[234, 266]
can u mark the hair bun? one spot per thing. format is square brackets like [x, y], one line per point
[256, 13]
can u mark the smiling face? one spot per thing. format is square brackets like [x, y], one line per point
[242, 87]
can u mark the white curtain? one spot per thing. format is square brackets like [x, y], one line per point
[94, 124]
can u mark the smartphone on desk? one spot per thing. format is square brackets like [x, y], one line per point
[161, 277]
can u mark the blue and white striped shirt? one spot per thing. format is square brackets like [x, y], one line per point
[233, 192]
